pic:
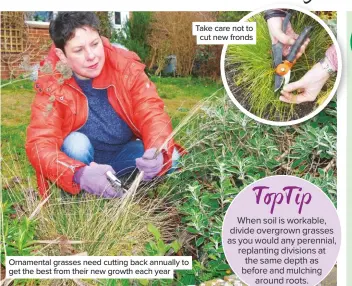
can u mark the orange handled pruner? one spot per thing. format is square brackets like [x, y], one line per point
[283, 67]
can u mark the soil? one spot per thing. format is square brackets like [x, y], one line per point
[299, 110]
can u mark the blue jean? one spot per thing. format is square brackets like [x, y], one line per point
[77, 146]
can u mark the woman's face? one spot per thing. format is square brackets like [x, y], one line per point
[84, 53]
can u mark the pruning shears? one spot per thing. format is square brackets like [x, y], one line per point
[115, 182]
[283, 66]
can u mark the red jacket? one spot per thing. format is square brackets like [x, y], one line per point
[60, 108]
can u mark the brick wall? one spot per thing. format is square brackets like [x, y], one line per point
[37, 45]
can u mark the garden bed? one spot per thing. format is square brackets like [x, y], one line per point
[181, 213]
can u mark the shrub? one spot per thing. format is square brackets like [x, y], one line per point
[106, 27]
[228, 151]
[134, 34]
[171, 34]
[208, 56]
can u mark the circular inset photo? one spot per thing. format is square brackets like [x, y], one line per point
[293, 70]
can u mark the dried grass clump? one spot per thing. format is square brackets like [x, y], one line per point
[68, 225]
[104, 227]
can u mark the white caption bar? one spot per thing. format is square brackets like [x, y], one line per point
[75, 267]
[219, 33]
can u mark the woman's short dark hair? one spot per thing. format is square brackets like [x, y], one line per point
[62, 28]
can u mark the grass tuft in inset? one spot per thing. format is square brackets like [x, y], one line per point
[250, 72]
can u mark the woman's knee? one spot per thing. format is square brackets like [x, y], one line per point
[77, 146]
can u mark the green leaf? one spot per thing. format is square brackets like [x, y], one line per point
[296, 163]
[220, 250]
[153, 230]
[212, 256]
[301, 168]
[162, 247]
[192, 230]
[176, 245]
[200, 241]
[223, 267]
[186, 278]
[125, 282]
[11, 251]
[144, 282]
[321, 172]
